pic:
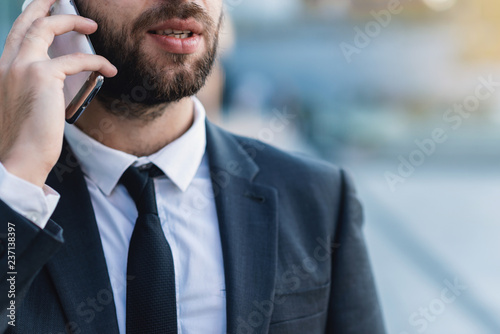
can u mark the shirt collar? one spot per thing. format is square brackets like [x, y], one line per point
[179, 160]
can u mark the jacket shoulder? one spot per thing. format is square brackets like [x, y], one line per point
[263, 152]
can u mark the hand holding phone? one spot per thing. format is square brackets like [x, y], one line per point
[32, 98]
[81, 88]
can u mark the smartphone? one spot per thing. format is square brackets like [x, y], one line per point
[79, 89]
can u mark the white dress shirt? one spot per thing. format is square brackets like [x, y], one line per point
[186, 208]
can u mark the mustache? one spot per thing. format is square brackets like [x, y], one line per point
[171, 10]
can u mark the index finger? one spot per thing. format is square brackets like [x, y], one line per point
[35, 10]
[42, 32]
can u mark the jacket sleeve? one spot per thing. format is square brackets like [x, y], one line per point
[354, 307]
[24, 250]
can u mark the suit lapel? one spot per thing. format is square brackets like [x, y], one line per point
[247, 214]
[79, 269]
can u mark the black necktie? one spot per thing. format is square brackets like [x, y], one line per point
[151, 304]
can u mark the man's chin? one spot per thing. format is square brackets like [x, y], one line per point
[149, 78]
[151, 88]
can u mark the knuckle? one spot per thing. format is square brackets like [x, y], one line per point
[31, 36]
[21, 21]
[39, 23]
[35, 32]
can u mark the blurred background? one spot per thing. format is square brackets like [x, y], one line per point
[406, 96]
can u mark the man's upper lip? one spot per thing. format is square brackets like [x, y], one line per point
[178, 24]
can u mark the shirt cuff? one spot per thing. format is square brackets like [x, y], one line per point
[35, 203]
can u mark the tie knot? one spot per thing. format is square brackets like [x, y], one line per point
[139, 183]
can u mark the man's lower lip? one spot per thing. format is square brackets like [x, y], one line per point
[177, 45]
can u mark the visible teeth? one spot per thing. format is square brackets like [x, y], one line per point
[174, 33]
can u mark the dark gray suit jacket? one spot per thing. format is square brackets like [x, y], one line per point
[294, 255]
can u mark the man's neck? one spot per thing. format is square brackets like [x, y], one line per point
[136, 136]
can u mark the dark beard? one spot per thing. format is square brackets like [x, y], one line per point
[141, 91]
